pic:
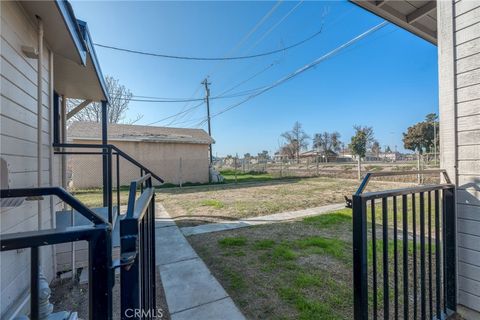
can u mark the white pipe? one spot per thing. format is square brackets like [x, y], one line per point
[50, 163]
[63, 111]
[39, 115]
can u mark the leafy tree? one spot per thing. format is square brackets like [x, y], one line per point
[264, 155]
[296, 140]
[120, 97]
[247, 155]
[362, 139]
[420, 137]
[388, 150]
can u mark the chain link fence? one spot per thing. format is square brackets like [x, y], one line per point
[85, 171]
[311, 167]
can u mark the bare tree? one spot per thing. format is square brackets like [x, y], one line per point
[119, 98]
[296, 140]
[327, 142]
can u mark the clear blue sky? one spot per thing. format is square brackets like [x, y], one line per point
[388, 80]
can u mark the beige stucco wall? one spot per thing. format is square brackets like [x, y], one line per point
[174, 162]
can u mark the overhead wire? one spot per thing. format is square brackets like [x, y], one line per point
[275, 25]
[305, 67]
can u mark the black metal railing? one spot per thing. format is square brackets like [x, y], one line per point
[98, 236]
[107, 151]
[404, 255]
[137, 252]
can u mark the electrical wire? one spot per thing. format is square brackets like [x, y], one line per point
[305, 67]
[275, 25]
[258, 55]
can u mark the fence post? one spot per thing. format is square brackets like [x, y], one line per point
[450, 248]
[360, 280]
[100, 275]
[180, 172]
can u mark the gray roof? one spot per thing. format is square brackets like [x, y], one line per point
[129, 132]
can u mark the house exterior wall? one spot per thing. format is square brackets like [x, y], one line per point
[18, 147]
[459, 76]
[174, 162]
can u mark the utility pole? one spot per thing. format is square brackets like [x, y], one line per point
[207, 100]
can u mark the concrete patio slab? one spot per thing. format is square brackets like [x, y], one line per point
[189, 284]
[162, 218]
[171, 246]
[273, 218]
[217, 310]
[191, 291]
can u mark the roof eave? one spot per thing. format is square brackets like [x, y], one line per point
[396, 19]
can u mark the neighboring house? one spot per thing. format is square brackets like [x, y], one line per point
[179, 155]
[454, 26]
[312, 155]
[45, 53]
[390, 156]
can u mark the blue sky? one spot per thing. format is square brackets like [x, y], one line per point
[388, 80]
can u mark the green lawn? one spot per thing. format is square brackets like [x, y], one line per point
[296, 270]
[232, 176]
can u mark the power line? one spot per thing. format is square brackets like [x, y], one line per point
[306, 67]
[275, 25]
[179, 100]
[263, 54]
[174, 115]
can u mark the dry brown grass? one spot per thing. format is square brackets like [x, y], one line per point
[195, 205]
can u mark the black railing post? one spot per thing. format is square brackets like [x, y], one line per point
[104, 157]
[34, 281]
[152, 248]
[118, 184]
[100, 275]
[450, 249]
[129, 275]
[360, 280]
[110, 185]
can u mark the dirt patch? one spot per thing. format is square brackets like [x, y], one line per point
[206, 204]
[72, 296]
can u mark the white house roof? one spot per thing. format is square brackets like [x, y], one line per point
[126, 132]
[418, 17]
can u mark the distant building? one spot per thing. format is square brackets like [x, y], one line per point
[179, 155]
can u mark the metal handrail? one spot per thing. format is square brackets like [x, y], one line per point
[106, 146]
[99, 249]
[60, 193]
[137, 249]
[369, 175]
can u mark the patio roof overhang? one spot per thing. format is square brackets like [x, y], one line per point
[77, 73]
[418, 17]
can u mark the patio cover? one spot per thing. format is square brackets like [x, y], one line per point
[418, 17]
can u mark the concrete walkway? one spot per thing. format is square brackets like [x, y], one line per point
[191, 291]
[273, 218]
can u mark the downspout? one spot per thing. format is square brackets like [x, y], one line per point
[50, 163]
[63, 140]
[39, 116]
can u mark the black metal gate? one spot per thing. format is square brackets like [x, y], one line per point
[137, 253]
[404, 252]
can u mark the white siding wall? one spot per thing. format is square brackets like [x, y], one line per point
[18, 146]
[459, 74]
